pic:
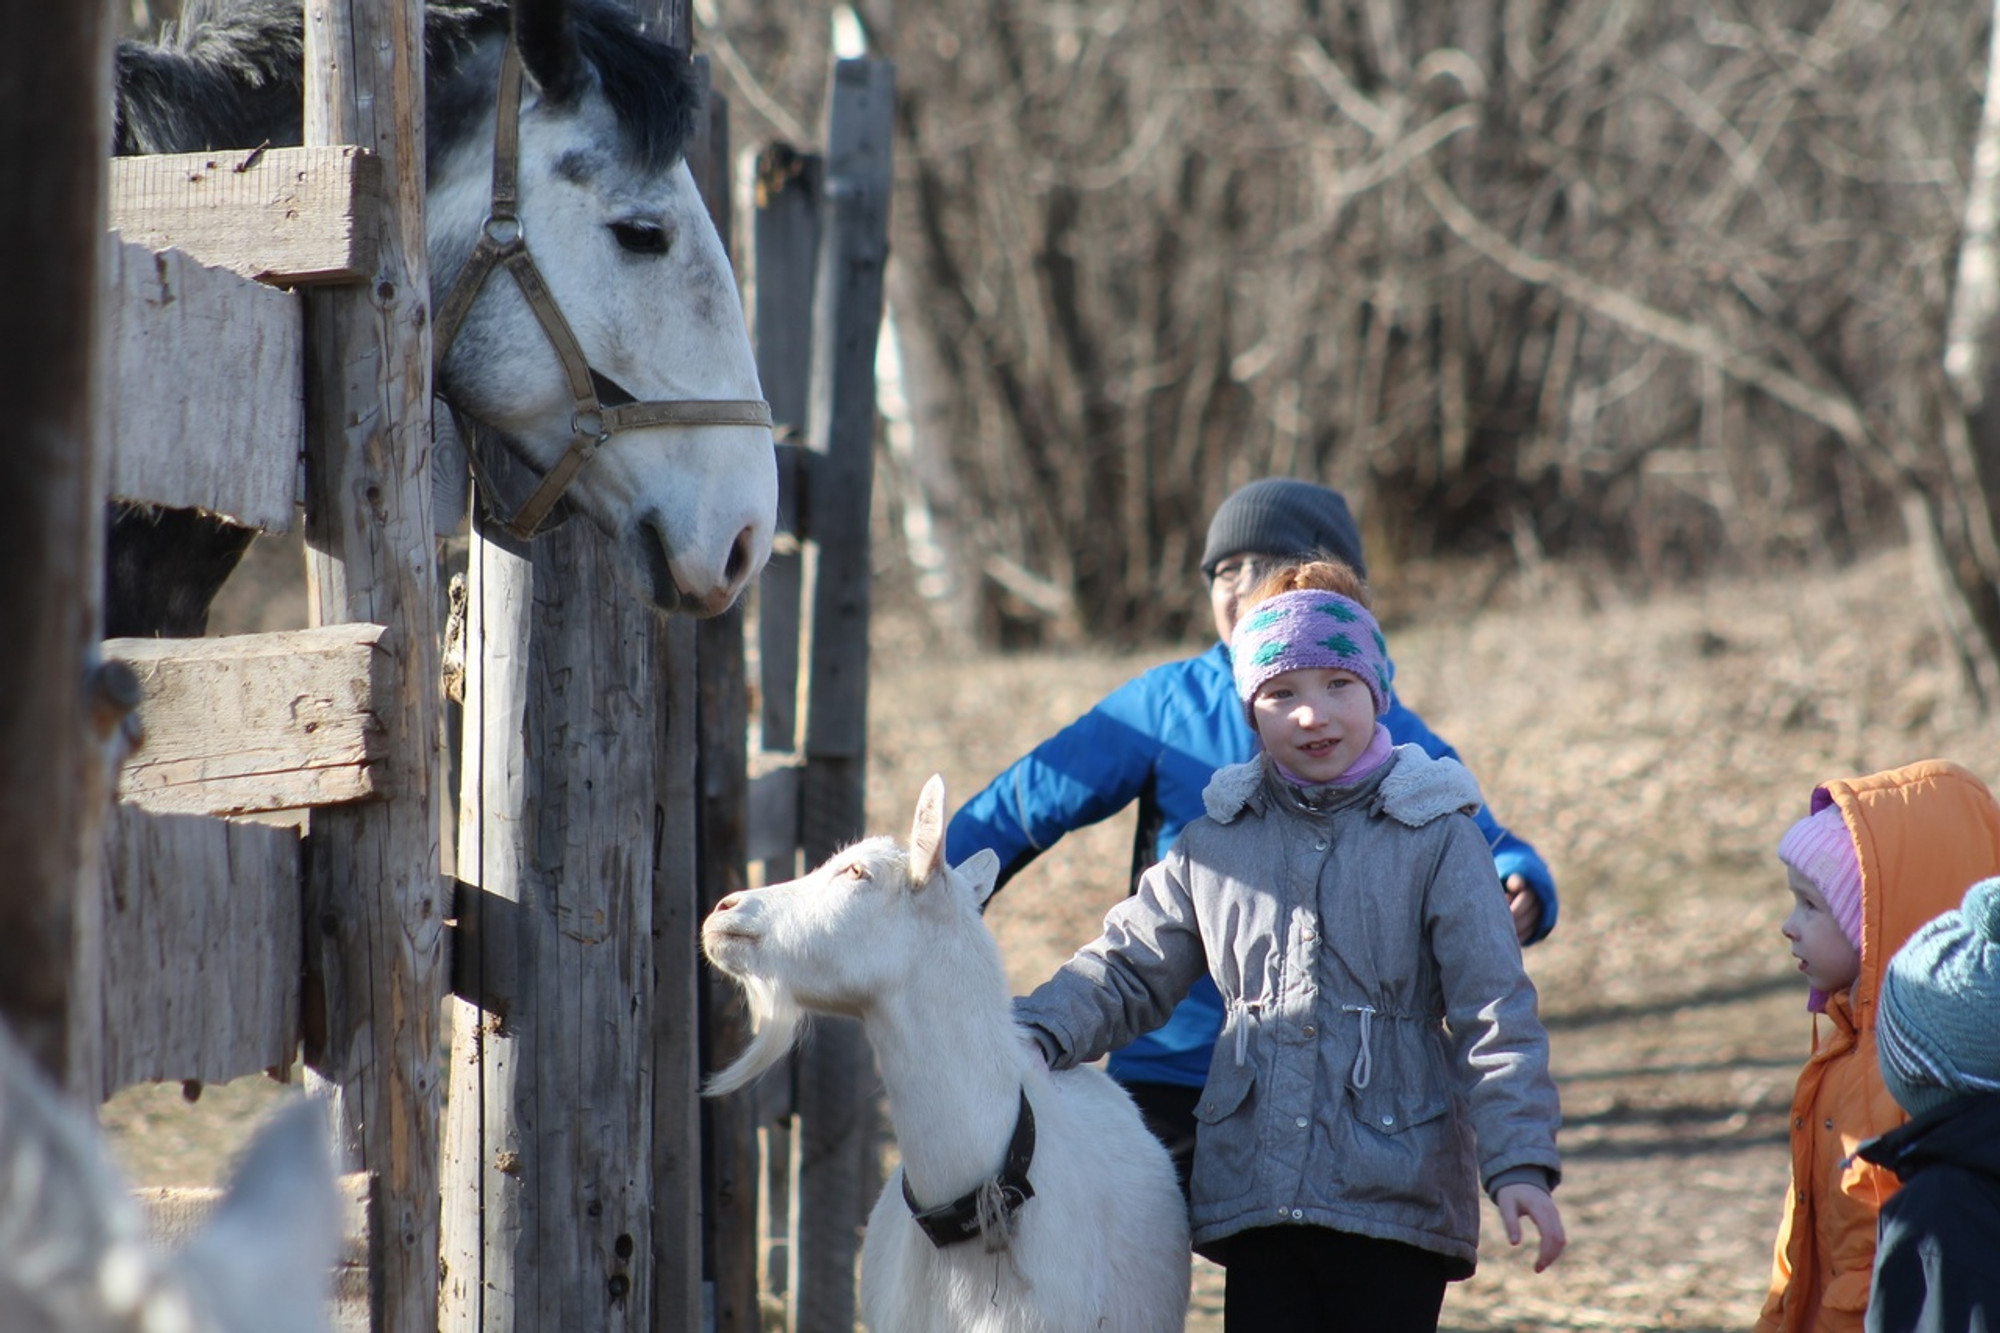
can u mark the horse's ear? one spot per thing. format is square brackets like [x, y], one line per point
[546, 36]
[981, 872]
[927, 833]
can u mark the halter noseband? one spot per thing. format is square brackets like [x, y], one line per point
[503, 243]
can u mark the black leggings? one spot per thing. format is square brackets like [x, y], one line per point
[1304, 1279]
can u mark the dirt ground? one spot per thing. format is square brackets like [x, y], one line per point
[1653, 751]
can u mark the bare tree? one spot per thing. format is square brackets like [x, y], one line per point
[1665, 286]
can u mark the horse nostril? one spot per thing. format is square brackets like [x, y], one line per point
[739, 555]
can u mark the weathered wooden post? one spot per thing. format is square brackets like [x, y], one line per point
[718, 737]
[376, 900]
[54, 134]
[790, 190]
[571, 825]
[836, 1099]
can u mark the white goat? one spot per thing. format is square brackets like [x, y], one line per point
[74, 1257]
[894, 938]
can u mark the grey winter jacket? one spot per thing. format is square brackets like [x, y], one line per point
[1378, 1017]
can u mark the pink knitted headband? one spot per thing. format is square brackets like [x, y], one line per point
[1297, 630]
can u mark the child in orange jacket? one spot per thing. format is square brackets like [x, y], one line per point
[1877, 858]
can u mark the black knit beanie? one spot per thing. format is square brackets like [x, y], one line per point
[1284, 517]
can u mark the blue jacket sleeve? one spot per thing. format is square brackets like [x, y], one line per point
[1088, 771]
[1512, 855]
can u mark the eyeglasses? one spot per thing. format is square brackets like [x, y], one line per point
[1245, 572]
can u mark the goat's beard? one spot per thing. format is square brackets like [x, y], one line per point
[775, 1016]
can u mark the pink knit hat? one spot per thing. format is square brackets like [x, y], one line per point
[1820, 848]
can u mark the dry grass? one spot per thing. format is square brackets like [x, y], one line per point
[1653, 751]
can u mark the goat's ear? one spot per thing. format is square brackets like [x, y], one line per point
[269, 1246]
[927, 832]
[981, 872]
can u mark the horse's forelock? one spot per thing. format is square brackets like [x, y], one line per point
[649, 85]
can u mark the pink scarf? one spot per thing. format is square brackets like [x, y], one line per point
[1380, 747]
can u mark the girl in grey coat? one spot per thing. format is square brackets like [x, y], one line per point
[1381, 1059]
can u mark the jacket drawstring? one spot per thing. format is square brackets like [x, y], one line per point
[1364, 1061]
[1244, 1008]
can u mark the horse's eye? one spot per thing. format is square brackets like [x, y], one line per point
[641, 238]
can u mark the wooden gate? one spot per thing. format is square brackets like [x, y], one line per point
[230, 927]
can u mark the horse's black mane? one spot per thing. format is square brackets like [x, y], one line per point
[231, 75]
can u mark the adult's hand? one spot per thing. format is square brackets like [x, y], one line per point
[1525, 905]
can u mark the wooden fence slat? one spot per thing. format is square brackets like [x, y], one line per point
[786, 236]
[773, 817]
[206, 387]
[202, 948]
[279, 215]
[681, 1293]
[838, 1131]
[377, 902]
[557, 1193]
[255, 721]
[722, 708]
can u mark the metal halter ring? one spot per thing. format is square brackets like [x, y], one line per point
[494, 227]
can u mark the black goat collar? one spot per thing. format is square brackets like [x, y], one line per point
[951, 1223]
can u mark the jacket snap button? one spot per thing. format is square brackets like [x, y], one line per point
[1302, 1122]
[1319, 845]
[1297, 1213]
[1388, 1120]
[1829, 1122]
[1799, 1123]
[1310, 1029]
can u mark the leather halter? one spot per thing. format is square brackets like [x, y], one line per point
[951, 1223]
[504, 244]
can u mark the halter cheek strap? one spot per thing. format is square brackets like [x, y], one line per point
[503, 243]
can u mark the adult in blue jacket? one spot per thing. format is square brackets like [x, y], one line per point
[1159, 738]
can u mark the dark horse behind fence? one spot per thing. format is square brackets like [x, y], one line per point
[637, 402]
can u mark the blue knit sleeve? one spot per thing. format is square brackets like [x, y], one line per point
[1088, 771]
[1512, 854]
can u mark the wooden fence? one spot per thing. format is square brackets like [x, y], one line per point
[571, 1178]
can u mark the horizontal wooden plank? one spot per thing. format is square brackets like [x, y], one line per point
[774, 814]
[206, 388]
[175, 1214]
[203, 948]
[287, 216]
[255, 721]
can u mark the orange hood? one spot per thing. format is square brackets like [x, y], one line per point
[1927, 831]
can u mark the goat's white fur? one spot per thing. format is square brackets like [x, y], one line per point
[893, 936]
[74, 1255]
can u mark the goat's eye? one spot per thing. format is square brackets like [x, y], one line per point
[640, 238]
[856, 870]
